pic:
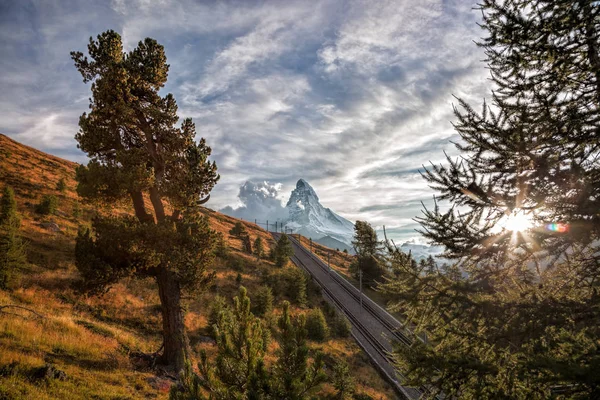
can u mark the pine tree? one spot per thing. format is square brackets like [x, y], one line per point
[365, 239]
[12, 248]
[135, 149]
[342, 381]
[8, 207]
[247, 242]
[47, 205]
[316, 325]
[239, 371]
[515, 315]
[77, 212]
[263, 301]
[369, 257]
[283, 251]
[238, 230]
[258, 248]
[294, 377]
[295, 281]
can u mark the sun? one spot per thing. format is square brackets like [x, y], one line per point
[516, 221]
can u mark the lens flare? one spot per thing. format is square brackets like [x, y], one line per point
[557, 227]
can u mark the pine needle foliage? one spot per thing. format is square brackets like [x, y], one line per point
[295, 377]
[238, 230]
[136, 151]
[259, 249]
[239, 372]
[283, 251]
[369, 260]
[515, 315]
[12, 249]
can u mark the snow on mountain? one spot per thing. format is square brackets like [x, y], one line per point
[308, 217]
[422, 251]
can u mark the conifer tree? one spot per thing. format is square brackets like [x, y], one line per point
[365, 239]
[369, 257]
[247, 242]
[8, 207]
[342, 381]
[136, 150]
[283, 251]
[294, 377]
[263, 301]
[238, 230]
[12, 248]
[239, 371]
[258, 248]
[515, 315]
[316, 325]
[296, 285]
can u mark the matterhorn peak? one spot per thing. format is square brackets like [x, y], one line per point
[308, 217]
[303, 189]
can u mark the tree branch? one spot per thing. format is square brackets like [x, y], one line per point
[2, 307]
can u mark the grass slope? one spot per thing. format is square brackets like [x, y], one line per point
[92, 339]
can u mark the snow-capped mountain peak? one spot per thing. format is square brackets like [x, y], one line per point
[308, 216]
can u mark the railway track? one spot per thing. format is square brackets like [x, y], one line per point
[373, 327]
[386, 319]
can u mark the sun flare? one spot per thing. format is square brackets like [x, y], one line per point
[517, 221]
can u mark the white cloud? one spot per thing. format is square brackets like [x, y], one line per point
[261, 201]
[353, 96]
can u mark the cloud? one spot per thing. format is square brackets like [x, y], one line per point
[353, 96]
[261, 201]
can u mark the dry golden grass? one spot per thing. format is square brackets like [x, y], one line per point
[91, 338]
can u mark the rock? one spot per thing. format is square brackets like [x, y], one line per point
[48, 372]
[51, 226]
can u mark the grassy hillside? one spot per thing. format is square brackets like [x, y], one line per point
[96, 340]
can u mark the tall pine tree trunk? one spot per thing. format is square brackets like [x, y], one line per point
[174, 338]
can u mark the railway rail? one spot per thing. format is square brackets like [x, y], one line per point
[373, 327]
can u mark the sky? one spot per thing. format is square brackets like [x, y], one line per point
[352, 96]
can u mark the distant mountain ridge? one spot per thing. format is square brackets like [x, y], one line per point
[421, 251]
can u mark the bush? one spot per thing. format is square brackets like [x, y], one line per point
[314, 290]
[361, 396]
[238, 278]
[316, 325]
[61, 186]
[235, 263]
[295, 281]
[77, 213]
[47, 205]
[340, 326]
[216, 308]
[263, 301]
[247, 243]
[221, 249]
[342, 381]
[275, 280]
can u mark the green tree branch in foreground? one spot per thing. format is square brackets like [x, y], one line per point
[516, 314]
